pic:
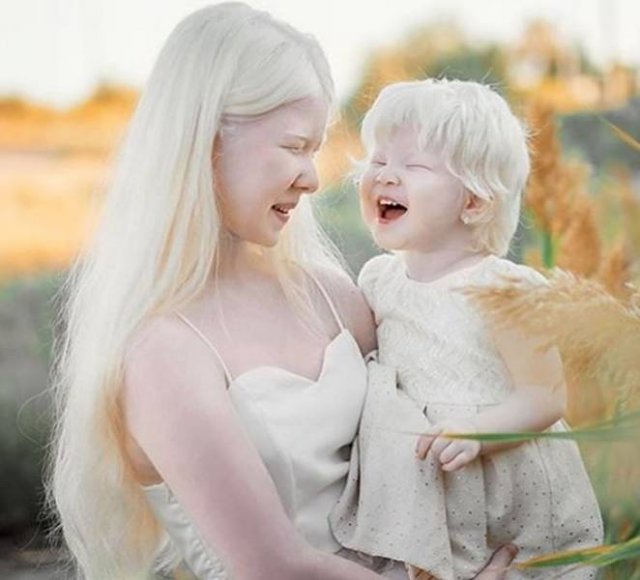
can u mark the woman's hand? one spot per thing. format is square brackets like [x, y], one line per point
[499, 563]
[495, 568]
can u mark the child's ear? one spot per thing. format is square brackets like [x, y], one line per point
[474, 208]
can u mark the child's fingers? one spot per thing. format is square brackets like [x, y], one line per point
[463, 458]
[424, 444]
[439, 446]
[431, 443]
[426, 441]
[451, 451]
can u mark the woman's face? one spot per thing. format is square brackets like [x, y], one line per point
[262, 166]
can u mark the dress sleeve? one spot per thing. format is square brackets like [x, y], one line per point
[369, 277]
[523, 273]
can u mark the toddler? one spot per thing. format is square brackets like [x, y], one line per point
[447, 162]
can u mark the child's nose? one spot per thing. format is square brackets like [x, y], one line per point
[387, 176]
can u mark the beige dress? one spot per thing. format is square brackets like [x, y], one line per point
[436, 362]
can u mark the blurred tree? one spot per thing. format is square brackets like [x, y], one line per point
[26, 317]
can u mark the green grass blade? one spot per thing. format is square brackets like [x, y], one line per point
[621, 428]
[548, 251]
[599, 557]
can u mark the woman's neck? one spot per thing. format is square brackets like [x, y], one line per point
[242, 262]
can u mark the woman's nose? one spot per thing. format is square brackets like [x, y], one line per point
[308, 180]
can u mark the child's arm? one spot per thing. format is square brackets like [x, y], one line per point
[539, 396]
[538, 400]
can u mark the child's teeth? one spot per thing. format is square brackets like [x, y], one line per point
[388, 202]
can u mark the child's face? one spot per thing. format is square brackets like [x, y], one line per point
[408, 198]
[263, 166]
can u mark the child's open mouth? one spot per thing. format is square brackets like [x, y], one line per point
[390, 210]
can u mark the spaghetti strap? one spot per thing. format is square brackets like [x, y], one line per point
[208, 343]
[327, 298]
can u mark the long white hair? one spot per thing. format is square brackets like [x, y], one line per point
[154, 248]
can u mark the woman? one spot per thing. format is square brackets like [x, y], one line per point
[211, 376]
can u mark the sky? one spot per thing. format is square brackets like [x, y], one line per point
[57, 51]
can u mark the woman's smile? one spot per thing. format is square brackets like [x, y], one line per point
[283, 211]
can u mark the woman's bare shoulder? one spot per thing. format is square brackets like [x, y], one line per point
[158, 337]
[164, 348]
[155, 331]
[351, 305]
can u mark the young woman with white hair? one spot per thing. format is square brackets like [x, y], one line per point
[210, 378]
[446, 166]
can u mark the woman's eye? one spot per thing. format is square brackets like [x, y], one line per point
[377, 162]
[418, 166]
[294, 148]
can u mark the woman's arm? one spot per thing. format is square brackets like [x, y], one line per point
[178, 410]
[538, 400]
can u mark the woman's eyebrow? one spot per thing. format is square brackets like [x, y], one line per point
[306, 139]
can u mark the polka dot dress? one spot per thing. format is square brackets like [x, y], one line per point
[436, 362]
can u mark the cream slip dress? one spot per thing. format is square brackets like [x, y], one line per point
[303, 430]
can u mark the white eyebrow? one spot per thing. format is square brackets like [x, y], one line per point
[305, 138]
[297, 136]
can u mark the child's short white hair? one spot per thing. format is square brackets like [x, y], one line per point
[483, 144]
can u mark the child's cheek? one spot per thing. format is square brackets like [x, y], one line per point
[367, 202]
[366, 185]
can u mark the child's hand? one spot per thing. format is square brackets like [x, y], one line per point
[452, 453]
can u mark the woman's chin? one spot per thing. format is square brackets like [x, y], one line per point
[266, 240]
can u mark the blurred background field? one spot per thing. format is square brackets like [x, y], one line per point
[582, 213]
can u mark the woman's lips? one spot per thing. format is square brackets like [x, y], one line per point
[283, 211]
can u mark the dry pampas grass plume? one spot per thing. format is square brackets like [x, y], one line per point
[616, 269]
[555, 182]
[597, 334]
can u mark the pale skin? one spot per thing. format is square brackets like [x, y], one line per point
[435, 235]
[182, 426]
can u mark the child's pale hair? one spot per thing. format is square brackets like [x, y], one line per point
[482, 143]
